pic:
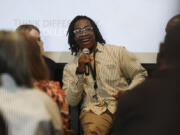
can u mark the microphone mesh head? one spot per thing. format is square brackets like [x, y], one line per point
[86, 51]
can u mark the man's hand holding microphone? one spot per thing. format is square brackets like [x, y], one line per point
[84, 61]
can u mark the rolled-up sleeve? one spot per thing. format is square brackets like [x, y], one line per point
[132, 68]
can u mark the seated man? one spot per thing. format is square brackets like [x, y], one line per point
[35, 32]
[98, 72]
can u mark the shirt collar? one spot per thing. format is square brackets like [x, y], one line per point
[100, 47]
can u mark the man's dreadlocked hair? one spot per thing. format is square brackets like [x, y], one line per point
[73, 46]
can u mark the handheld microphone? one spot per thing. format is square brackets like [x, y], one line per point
[86, 51]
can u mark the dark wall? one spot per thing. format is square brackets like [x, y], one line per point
[150, 68]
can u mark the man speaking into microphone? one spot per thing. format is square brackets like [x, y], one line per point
[86, 51]
[108, 66]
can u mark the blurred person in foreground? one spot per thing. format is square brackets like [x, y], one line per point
[40, 75]
[35, 32]
[109, 68]
[27, 110]
[153, 107]
[173, 22]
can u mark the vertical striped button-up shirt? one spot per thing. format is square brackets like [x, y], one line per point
[26, 109]
[114, 65]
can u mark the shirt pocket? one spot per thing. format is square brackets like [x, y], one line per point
[108, 72]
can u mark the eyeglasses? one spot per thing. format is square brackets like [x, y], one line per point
[80, 31]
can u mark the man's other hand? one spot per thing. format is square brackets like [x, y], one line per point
[121, 92]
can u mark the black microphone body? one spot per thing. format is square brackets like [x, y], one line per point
[86, 51]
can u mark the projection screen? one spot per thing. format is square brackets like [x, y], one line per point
[139, 25]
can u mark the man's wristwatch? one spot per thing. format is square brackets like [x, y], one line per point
[79, 73]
